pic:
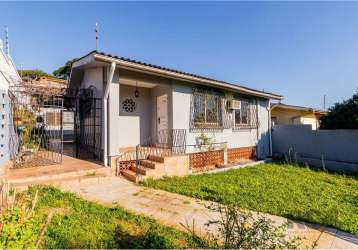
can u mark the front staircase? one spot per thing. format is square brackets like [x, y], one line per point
[156, 167]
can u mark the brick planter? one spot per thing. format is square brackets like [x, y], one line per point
[206, 160]
[238, 154]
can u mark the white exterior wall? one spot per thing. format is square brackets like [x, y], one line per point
[8, 76]
[263, 144]
[135, 126]
[93, 77]
[130, 129]
[181, 97]
[310, 120]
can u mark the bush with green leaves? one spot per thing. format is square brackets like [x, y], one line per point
[342, 115]
[240, 229]
[32, 73]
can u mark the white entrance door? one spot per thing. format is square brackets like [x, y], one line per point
[162, 119]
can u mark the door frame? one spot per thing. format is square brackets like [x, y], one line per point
[162, 129]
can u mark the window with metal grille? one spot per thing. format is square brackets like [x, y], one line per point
[246, 116]
[206, 110]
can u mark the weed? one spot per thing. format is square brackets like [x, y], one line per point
[240, 229]
[92, 173]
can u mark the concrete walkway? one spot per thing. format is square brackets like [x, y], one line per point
[175, 210]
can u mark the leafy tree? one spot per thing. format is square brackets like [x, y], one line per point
[342, 115]
[32, 73]
[64, 71]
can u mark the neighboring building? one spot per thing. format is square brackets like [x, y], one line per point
[142, 101]
[52, 86]
[8, 77]
[52, 113]
[283, 114]
[48, 82]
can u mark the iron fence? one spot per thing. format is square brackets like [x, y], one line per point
[35, 127]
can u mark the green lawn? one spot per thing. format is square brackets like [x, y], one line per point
[81, 224]
[290, 191]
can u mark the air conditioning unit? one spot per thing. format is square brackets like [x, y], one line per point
[234, 104]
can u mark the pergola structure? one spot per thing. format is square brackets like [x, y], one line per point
[35, 125]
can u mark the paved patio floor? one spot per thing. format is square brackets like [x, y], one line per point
[69, 164]
[175, 210]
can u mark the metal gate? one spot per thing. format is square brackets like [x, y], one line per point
[35, 126]
[88, 125]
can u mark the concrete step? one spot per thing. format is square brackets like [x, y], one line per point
[156, 158]
[142, 170]
[148, 163]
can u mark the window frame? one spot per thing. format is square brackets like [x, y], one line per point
[205, 96]
[248, 106]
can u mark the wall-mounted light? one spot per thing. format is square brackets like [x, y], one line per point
[136, 92]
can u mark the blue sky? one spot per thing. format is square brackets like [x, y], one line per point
[301, 50]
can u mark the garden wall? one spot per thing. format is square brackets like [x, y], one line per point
[337, 148]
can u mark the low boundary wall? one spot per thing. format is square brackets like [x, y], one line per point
[334, 149]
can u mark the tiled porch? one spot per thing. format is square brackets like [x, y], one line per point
[70, 168]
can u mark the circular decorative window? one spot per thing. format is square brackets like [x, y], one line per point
[128, 105]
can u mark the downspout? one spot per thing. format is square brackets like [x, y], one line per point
[110, 75]
[257, 121]
[269, 108]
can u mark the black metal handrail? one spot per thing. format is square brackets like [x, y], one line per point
[165, 142]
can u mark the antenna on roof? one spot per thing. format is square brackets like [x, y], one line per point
[97, 36]
[7, 46]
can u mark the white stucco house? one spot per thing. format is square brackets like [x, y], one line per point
[8, 77]
[143, 101]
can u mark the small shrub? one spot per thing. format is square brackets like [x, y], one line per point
[240, 229]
